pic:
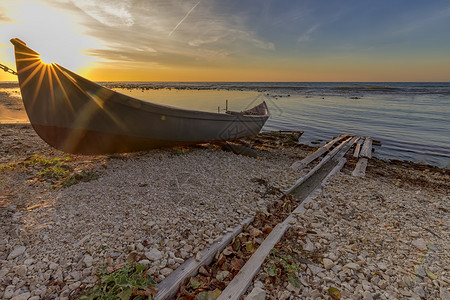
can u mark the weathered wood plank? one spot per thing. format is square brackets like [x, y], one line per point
[360, 168]
[366, 150]
[358, 147]
[298, 165]
[169, 286]
[322, 162]
[243, 279]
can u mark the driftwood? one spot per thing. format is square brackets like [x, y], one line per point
[360, 168]
[366, 150]
[298, 165]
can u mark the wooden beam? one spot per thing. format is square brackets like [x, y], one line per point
[240, 283]
[366, 150]
[170, 285]
[358, 147]
[298, 165]
[360, 168]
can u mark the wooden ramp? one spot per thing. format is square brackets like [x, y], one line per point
[364, 155]
[304, 189]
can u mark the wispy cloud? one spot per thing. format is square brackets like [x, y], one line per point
[107, 12]
[306, 36]
[149, 34]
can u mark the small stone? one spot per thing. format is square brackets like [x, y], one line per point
[21, 270]
[256, 294]
[382, 266]
[367, 296]
[420, 244]
[222, 275]
[353, 266]
[53, 266]
[198, 256]
[144, 262]
[88, 260]
[16, 252]
[9, 292]
[315, 269]
[154, 254]
[382, 284]
[328, 263]
[309, 246]
[166, 272]
[23, 296]
[419, 291]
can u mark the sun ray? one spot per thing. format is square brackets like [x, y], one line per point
[28, 54]
[29, 67]
[38, 87]
[50, 82]
[29, 77]
[28, 59]
[97, 100]
[62, 88]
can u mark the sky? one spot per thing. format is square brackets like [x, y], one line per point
[234, 40]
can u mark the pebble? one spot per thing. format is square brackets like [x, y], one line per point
[420, 244]
[154, 254]
[23, 296]
[16, 252]
[257, 293]
[328, 263]
[166, 272]
[88, 260]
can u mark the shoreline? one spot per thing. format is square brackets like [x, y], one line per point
[69, 231]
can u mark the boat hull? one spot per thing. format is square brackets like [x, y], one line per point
[76, 115]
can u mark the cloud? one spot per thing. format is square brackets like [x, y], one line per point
[164, 31]
[306, 36]
[107, 12]
[5, 18]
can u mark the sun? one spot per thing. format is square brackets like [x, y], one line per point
[52, 32]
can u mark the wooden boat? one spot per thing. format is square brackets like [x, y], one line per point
[76, 115]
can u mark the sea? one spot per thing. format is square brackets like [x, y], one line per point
[410, 119]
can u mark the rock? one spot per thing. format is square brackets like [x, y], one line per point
[198, 256]
[144, 262]
[420, 244]
[444, 293]
[419, 291]
[9, 292]
[309, 246]
[166, 272]
[367, 296]
[21, 270]
[315, 269]
[88, 260]
[353, 266]
[16, 252]
[222, 275]
[382, 266]
[382, 284]
[154, 254]
[328, 263]
[23, 296]
[256, 294]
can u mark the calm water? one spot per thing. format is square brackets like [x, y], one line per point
[412, 120]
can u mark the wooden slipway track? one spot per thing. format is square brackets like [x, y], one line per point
[304, 190]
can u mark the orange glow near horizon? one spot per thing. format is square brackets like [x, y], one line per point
[108, 41]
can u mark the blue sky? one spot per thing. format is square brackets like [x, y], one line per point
[237, 40]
